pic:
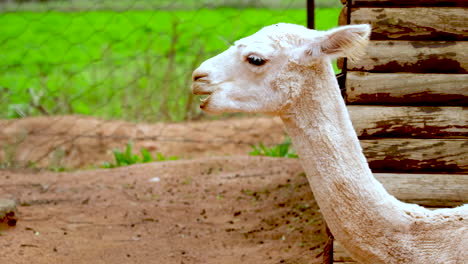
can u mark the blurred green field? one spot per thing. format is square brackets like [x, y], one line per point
[132, 65]
[121, 5]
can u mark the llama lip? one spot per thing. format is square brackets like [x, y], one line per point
[199, 89]
[204, 100]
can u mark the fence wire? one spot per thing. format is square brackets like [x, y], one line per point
[131, 60]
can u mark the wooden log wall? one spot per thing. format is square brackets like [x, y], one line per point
[412, 84]
[408, 98]
[406, 89]
[418, 23]
[414, 57]
[406, 3]
[371, 122]
[417, 155]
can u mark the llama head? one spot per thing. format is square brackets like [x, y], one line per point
[265, 71]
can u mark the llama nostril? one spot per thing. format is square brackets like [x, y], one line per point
[199, 76]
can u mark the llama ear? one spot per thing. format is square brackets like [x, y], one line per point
[346, 41]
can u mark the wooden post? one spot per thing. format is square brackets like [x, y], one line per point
[311, 14]
[328, 249]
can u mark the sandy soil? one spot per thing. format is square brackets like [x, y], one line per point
[225, 209]
[81, 142]
[212, 210]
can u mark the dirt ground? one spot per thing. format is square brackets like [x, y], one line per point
[225, 209]
[83, 142]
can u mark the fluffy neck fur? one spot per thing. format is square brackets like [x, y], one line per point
[370, 223]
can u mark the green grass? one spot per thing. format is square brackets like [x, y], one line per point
[132, 65]
[120, 5]
[126, 157]
[282, 150]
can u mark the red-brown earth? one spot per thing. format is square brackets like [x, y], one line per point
[214, 205]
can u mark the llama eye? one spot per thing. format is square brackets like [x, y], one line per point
[255, 60]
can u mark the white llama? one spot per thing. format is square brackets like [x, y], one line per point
[286, 70]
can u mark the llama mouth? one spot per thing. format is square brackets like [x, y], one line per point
[204, 99]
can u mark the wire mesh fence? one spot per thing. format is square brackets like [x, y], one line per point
[127, 60]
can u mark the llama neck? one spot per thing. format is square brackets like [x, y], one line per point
[354, 204]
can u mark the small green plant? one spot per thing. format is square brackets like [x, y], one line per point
[161, 157]
[281, 150]
[126, 157]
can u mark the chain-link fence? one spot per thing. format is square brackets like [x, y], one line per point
[128, 60]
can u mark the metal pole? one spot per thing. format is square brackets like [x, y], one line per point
[311, 14]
